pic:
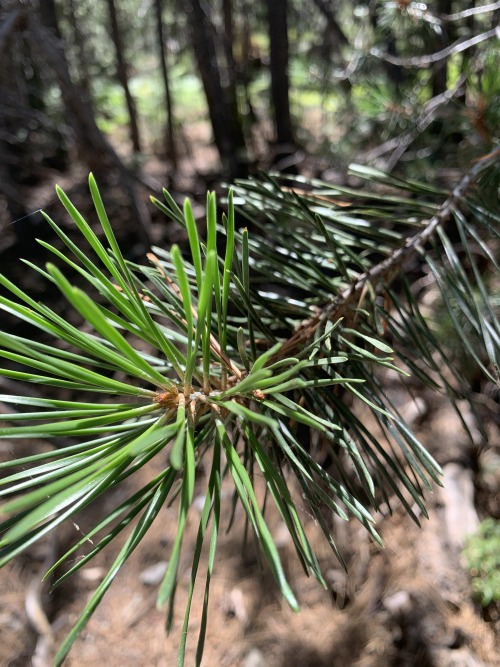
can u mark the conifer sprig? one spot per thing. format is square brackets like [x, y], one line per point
[241, 352]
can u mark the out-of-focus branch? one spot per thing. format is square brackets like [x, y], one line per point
[471, 12]
[425, 119]
[428, 60]
[400, 144]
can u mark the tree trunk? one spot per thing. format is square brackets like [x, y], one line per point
[331, 41]
[231, 74]
[80, 50]
[226, 125]
[396, 74]
[249, 64]
[93, 146]
[27, 138]
[170, 147]
[278, 41]
[121, 70]
[49, 18]
[10, 154]
[442, 40]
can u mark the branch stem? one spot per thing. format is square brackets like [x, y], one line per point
[384, 272]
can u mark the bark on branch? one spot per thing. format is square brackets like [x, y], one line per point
[383, 273]
[427, 61]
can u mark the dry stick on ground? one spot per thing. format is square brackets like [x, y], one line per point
[383, 273]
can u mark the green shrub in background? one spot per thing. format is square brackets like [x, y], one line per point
[239, 356]
[482, 555]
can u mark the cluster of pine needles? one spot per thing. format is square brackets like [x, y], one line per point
[229, 352]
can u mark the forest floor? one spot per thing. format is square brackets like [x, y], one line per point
[406, 605]
[409, 604]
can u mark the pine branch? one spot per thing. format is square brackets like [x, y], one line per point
[382, 274]
[473, 11]
[401, 143]
[426, 61]
[164, 338]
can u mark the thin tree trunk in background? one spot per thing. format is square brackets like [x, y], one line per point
[10, 121]
[48, 14]
[206, 58]
[395, 73]
[80, 50]
[442, 40]
[93, 146]
[29, 140]
[249, 64]
[231, 76]
[332, 39]
[227, 13]
[226, 127]
[278, 42]
[170, 147]
[9, 24]
[121, 70]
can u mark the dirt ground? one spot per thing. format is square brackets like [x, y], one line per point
[409, 604]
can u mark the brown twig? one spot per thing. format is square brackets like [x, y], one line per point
[386, 271]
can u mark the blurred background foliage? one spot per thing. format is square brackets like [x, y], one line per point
[188, 95]
[307, 86]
